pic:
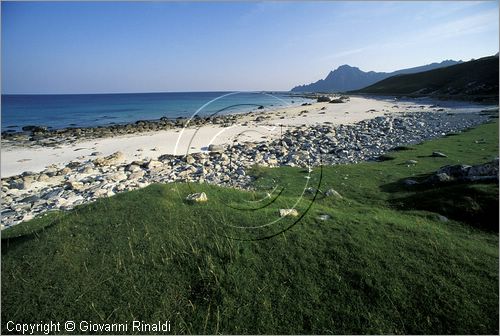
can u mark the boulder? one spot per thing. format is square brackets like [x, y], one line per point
[439, 154]
[324, 217]
[34, 128]
[288, 212]
[455, 171]
[410, 182]
[117, 177]
[109, 160]
[20, 184]
[442, 218]
[136, 175]
[438, 178]
[31, 199]
[190, 159]
[485, 169]
[197, 198]
[216, 148]
[65, 171]
[74, 185]
[324, 99]
[132, 168]
[152, 164]
[334, 193]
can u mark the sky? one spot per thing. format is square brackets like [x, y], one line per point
[107, 47]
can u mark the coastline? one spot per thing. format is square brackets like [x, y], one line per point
[150, 141]
[36, 179]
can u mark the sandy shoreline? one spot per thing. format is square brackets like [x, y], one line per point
[254, 127]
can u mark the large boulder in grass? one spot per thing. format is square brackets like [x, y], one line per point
[485, 169]
[455, 171]
[438, 178]
[333, 193]
[288, 213]
[485, 172]
[197, 198]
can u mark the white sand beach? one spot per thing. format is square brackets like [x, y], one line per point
[16, 160]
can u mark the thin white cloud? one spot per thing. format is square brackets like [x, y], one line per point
[345, 53]
[469, 25]
[479, 23]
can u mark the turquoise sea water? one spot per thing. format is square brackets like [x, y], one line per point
[84, 110]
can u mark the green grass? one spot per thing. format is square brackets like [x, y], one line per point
[378, 265]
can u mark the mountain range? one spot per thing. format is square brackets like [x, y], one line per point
[348, 78]
[474, 80]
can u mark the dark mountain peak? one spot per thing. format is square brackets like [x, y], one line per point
[347, 77]
[449, 62]
[346, 67]
[343, 72]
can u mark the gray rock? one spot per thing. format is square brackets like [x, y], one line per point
[455, 171]
[442, 218]
[75, 185]
[88, 170]
[132, 168]
[485, 169]
[31, 199]
[288, 212]
[136, 175]
[56, 192]
[65, 171]
[409, 182]
[216, 148]
[438, 154]
[324, 217]
[197, 198]
[117, 177]
[324, 99]
[438, 178]
[332, 192]
[152, 164]
[43, 178]
[20, 184]
[109, 160]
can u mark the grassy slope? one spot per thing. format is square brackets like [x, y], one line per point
[482, 71]
[371, 268]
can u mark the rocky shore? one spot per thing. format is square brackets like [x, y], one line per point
[42, 136]
[30, 194]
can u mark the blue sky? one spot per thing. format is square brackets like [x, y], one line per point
[98, 47]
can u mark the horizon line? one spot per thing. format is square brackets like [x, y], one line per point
[143, 92]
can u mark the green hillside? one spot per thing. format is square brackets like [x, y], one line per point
[372, 263]
[474, 80]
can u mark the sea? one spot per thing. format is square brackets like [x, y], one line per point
[92, 110]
